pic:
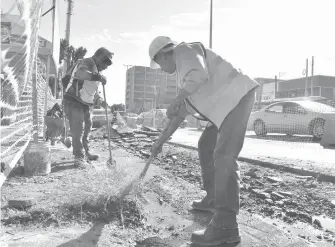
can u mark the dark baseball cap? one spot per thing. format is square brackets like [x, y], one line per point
[104, 52]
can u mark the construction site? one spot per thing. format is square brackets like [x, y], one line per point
[119, 193]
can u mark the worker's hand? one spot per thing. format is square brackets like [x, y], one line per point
[99, 77]
[156, 149]
[104, 104]
[103, 80]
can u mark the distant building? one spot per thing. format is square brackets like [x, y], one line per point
[141, 84]
[323, 86]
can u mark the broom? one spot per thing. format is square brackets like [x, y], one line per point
[145, 169]
[138, 180]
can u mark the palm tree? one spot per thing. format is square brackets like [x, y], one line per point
[64, 46]
[77, 54]
[74, 54]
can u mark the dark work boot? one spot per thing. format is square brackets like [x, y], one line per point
[92, 157]
[80, 163]
[206, 204]
[212, 236]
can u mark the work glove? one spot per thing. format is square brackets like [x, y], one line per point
[104, 104]
[156, 149]
[99, 77]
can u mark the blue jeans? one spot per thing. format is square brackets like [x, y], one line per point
[218, 152]
[79, 117]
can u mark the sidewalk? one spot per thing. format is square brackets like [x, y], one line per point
[299, 157]
[175, 211]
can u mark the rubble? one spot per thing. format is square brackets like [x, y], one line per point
[144, 153]
[317, 223]
[277, 196]
[150, 129]
[275, 179]
[252, 173]
[288, 194]
[148, 133]
[261, 194]
[21, 203]
[263, 191]
[304, 177]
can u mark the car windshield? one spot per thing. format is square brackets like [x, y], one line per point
[316, 106]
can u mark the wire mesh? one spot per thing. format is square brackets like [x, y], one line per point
[21, 67]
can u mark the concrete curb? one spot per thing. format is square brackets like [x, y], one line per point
[320, 176]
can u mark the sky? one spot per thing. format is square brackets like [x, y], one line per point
[263, 38]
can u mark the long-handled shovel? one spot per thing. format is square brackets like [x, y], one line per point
[110, 161]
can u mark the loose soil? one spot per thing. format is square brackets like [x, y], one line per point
[83, 207]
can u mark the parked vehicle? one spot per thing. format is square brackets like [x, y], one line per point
[99, 117]
[146, 118]
[291, 117]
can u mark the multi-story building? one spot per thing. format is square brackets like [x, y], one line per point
[147, 88]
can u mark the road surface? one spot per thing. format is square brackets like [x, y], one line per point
[294, 151]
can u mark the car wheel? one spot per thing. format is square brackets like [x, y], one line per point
[318, 129]
[259, 128]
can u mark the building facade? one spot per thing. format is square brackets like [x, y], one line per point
[147, 88]
[323, 86]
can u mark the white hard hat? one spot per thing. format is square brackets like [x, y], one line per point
[156, 46]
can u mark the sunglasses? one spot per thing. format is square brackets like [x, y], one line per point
[107, 61]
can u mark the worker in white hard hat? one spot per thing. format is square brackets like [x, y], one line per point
[210, 87]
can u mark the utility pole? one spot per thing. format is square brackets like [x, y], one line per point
[312, 74]
[306, 82]
[67, 32]
[211, 25]
[53, 41]
[48, 67]
[276, 87]
[125, 99]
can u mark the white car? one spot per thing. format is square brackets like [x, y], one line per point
[291, 117]
[99, 117]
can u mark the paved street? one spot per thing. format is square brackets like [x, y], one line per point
[294, 151]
